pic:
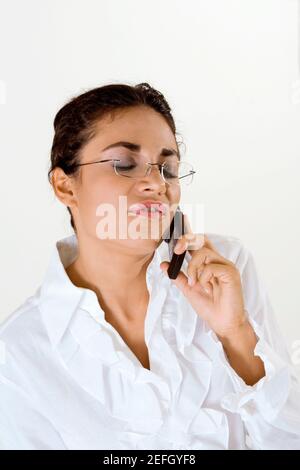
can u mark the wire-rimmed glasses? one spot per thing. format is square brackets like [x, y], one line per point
[172, 172]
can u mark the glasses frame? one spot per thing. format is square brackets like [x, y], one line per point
[161, 165]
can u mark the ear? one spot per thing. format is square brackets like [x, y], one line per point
[64, 187]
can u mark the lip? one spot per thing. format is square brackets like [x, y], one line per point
[141, 207]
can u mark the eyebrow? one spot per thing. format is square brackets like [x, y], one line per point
[165, 152]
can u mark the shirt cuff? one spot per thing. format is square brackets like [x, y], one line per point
[270, 393]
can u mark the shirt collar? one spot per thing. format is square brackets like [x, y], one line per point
[59, 298]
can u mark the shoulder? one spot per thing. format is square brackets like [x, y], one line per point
[22, 335]
[19, 318]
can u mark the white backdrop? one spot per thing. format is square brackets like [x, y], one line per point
[230, 70]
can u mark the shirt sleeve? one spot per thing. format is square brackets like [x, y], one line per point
[22, 426]
[270, 409]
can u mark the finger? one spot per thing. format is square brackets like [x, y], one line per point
[192, 271]
[207, 288]
[164, 265]
[205, 280]
[199, 259]
[187, 225]
[203, 237]
[208, 243]
[223, 274]
[205, 256]
[215, 282]
[181, 281]
[193, 241]
[189, 241]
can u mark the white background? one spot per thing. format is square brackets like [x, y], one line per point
[230, 71]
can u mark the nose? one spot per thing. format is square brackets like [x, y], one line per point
[153, 179]
[154, 172]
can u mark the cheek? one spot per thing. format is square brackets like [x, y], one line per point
[174, 194]
[103, 202]
[96, 200]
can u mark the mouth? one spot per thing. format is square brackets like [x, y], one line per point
[153, 210]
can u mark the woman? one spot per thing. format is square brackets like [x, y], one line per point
[110, 353]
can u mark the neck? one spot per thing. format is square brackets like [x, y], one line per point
[117, 276]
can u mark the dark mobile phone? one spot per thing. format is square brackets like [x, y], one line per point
[175, 232]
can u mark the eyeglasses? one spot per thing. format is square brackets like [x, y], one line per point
[172, 172]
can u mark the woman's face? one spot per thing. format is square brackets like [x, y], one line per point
[102, 199]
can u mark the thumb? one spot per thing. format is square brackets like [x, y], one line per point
[181, 281]
[164, 266]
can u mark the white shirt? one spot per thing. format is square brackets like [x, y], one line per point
[69, 381]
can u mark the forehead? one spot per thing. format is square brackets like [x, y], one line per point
[139, 124]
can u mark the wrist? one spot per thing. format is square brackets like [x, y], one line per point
[241, 340]
[232, 334]
[239, 345]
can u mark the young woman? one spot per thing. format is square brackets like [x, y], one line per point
[110, 353]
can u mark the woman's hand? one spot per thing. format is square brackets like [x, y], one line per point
[215, 292]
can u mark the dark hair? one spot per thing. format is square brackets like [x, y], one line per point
[75, 123]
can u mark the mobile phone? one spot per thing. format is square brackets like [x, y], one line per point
[175, 232]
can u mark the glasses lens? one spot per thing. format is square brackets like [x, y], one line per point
[130, 167]
[174, 172]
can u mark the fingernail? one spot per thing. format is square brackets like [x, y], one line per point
[177, 247]
[190, 281]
